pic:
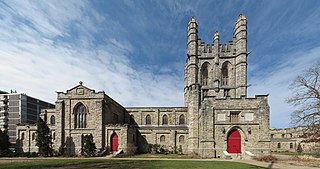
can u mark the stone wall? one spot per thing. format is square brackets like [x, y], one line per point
[252, 123]
[26, 138]
[171, 135]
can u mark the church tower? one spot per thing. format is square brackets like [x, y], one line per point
[212, 71]
[192, 87]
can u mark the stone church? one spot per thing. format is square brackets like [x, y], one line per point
[218, 118]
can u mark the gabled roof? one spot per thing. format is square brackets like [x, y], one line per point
[80, 86]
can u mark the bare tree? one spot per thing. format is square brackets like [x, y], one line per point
[306, 97]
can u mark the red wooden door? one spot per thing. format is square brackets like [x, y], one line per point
[114, 142]
[234, 142]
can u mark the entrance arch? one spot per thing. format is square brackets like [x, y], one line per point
[234, 142]
[114, 142]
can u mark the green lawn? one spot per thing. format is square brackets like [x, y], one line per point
[124, 164]
[169, 156]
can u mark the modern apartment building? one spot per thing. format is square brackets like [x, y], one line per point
[18, 108]
[3, 110]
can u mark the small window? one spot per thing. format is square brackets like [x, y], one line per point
[291, 145]
[282, 135]
[234, 117]
[33, 136]
[181, 119]
[162, 138]
[165, 120]
[279, 145]
[52, 120]
[148, 120]
[22, 136]
[181, 139]
[53, 136]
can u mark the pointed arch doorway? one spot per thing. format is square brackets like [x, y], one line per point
[234, 142]
[114, 142]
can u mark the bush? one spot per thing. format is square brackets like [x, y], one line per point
[267, 158]
[89, 146]
[8, 153]
[179, 151]
[158, 149]
[4, 140]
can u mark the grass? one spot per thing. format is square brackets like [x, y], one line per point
[164, 156]
[123, 164]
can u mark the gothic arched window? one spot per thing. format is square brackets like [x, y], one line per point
[204, 74]
[80, 116]
[181, 119]
[52, 120]
[164, 119]
[148, 120]
[225, 73]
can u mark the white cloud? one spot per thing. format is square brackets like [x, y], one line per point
[33, 62]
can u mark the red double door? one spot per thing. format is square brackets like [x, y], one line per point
[114, 142]
[234, 142]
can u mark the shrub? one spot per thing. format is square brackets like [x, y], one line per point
[89, 146]
[179, 151]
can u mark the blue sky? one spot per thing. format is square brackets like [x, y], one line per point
[135, 50]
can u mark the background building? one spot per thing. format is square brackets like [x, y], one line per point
[288, 140]
[19, 108]
[3, 111]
